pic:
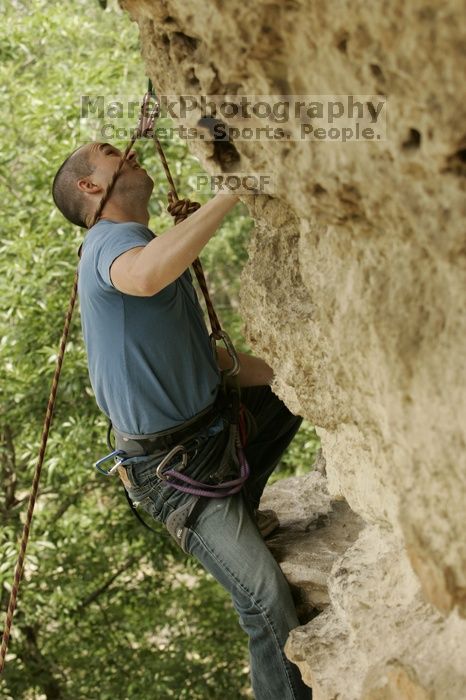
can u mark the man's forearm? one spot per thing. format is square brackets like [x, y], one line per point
[253, 372]
[165, 258]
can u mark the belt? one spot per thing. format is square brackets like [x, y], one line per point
[137, 445]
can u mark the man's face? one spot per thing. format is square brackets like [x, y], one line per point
[105, 159]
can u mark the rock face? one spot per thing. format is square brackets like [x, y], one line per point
[354, 292]
[314, 532]
[379, 640]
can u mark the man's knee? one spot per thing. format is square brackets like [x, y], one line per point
[270, 413]
[266, 592]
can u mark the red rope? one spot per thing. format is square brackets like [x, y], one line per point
[35, 482]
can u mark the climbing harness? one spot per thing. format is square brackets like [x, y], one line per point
[180, 209]
[174, 457]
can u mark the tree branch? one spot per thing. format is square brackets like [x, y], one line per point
[92, 597]
[40, 668]
[71, 500]
[8, 467]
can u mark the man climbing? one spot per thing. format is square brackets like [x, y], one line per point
[156, 377]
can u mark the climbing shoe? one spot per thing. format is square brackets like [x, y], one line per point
[267, 521]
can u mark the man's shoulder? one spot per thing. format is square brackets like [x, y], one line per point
[105, 229]
[104, 242]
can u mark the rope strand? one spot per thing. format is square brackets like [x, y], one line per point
[37, 472]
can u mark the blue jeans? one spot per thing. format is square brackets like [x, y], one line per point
[226, 541]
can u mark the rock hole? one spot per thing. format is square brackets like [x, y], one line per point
[225, 153]
[168, 20]
[209, 123]
[350, 196]
[318, 189]
[165, 39]
[342, 42]
[189, 41]
[191, 78]
[377, 71]
[413, 140]
[456, 162]
[281, 86]
[232, 88]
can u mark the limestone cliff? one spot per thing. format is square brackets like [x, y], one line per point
[354, 292]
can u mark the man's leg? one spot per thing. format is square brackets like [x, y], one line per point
[227, 543]
[275, 427]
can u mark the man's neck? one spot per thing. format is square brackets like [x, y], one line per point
[120, 215]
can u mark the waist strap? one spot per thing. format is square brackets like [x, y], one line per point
[137, 445]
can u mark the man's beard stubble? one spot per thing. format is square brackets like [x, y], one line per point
[133, 191]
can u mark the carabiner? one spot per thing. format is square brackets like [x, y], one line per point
[233, 371]
[112, 470]
[148, 115]
[168, 458]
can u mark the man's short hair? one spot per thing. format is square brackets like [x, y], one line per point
[66, 195]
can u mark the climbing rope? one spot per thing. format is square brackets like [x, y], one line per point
[180, 209]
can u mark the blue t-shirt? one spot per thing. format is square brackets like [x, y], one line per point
[151, 364]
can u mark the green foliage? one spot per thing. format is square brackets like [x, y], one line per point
[106, 609]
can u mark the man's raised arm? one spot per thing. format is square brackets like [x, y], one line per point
[144, 271]
[254, 371]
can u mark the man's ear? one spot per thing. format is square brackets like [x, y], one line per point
[86, 185]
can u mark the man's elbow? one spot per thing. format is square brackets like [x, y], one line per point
[135, 283]
[153, 282]
[134, 277]
[147, 282]
[147, 286]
